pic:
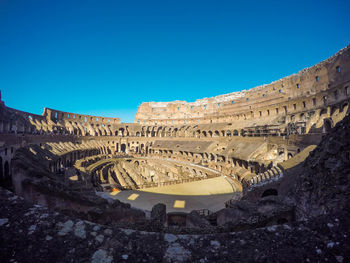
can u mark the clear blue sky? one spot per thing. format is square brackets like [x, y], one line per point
[106, 57]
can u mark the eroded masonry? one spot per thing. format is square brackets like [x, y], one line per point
[276, 154]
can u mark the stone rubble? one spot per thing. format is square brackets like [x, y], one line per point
[58, 238]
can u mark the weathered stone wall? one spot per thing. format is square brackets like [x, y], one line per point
[324, 84]
[56, 115]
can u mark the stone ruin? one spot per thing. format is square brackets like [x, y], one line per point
[283, 148]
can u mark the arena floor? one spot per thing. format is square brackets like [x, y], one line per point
[206, 194]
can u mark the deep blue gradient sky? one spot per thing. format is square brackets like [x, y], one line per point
[106, 57]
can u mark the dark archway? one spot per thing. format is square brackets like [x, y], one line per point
[269, 192]
[7, 176]
[282, 221]
[1, 172]
[323, 111]
[212, 157]
[117, 147]
[123, 147]
[327, 125]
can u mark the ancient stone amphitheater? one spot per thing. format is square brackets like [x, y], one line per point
[260, 175]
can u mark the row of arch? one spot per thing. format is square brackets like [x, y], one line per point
[35, 126]
[300, 120]
[322, 99]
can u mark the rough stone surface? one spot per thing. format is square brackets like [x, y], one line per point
[159, 213]
[246, 214]
[324, 184]
[194, 220]
[326, 238]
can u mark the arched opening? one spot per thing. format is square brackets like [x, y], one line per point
[282, 221]
[333, 110]
[345, 106]
[1, 172]
[212, 157]
[175, 132]
[323, 111]
[123, 147]
[117, 147]
[197, 133]
[7, 176]
[327, 125]
[245, 164]
[269, 192]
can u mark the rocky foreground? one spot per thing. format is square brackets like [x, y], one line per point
[30, 233]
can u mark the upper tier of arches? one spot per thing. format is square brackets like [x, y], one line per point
[323, 84]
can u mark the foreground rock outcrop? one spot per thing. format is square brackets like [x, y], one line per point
[245, 214]
[34, 234]
[323, 186]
